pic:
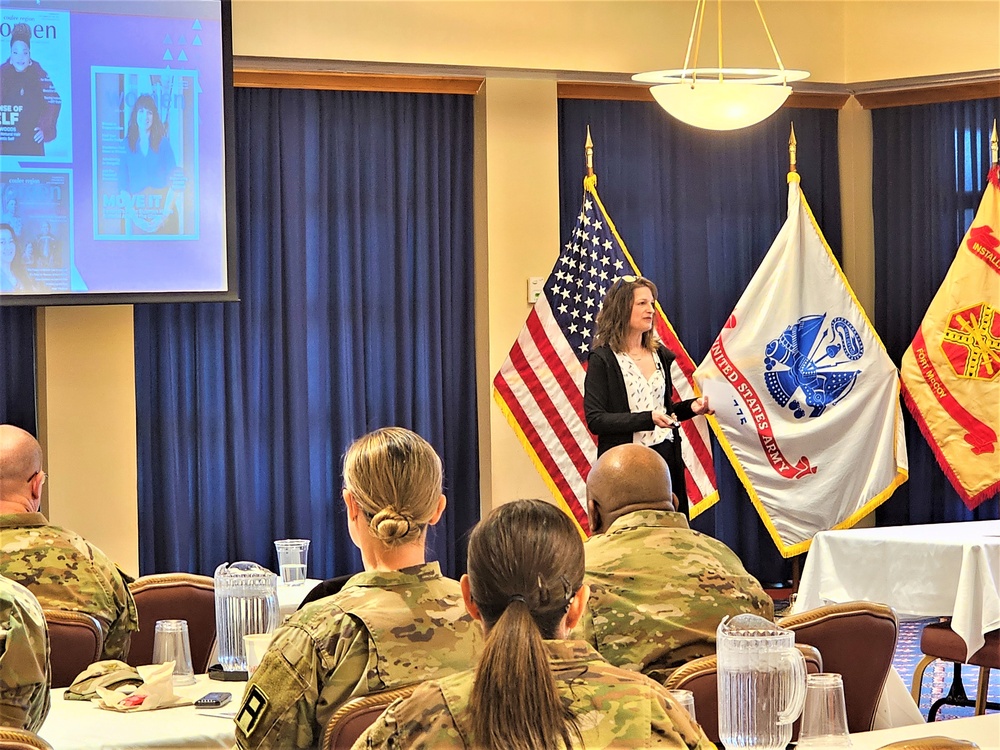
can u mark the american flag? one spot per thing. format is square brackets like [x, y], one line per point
[540, 385]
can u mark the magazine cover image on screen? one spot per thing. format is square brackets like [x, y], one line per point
[34, 86]
[35, 111]
[145, 153]
[35, 232]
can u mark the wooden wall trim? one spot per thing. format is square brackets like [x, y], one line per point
[332, 81]
[929, 95]
[640, 93]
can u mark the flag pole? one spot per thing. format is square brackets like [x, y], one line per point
[994, 144]
[588, 149]
[792, 150]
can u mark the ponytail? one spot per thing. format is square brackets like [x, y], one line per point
[515, 704]
[525, 564]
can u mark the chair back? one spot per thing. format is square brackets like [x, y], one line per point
[76, 640]
[174, 596]
[353, 717]
[701, 678]
[857, 640]
[21, 739]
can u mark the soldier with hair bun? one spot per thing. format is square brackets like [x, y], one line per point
[397, 623]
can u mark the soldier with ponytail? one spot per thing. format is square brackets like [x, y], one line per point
[397, 623]
[533, 689]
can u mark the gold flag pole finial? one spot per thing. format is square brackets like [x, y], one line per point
[588, 148]
[995, 144]
[792, 150]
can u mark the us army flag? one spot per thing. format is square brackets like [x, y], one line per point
[806, 398]
[951, 372]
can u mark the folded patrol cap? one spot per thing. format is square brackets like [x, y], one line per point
[111, 674]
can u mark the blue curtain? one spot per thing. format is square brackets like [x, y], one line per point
[356, 282]
[698, 210]
[17, 367]
[929, 174]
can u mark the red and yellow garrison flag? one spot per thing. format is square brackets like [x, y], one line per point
[951, 372]
[540, 386]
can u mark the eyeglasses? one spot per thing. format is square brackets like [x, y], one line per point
[30, 479]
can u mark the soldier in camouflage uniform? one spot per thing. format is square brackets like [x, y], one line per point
[24, 659]
[397, 623]
[59, 567]
[525, 583]
[658, 588]
[615, 708]
[383, 630]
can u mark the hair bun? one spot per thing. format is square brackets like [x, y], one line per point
[389, 525]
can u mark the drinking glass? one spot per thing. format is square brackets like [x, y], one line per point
[685, 698]
[824, 720]
[172, 642]
[292, 560]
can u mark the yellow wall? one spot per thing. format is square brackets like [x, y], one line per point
[838, 42]
[86, 370]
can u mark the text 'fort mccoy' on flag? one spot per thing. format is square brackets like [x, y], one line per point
[540, 385]
[805, 395]
[951, 372]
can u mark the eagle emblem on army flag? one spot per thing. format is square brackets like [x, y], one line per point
[812, 359]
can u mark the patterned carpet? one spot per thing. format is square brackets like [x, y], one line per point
[938, 677]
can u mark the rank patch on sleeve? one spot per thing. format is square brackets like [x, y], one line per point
[252, 709]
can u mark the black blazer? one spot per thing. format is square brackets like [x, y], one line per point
[605, 400]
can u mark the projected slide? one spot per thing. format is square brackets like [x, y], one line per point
[112, 148]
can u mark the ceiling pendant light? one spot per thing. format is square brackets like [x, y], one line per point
[721, 98]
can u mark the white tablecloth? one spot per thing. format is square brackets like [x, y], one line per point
[77, 725]
[290, 597]
[934, 570]
[983, 730]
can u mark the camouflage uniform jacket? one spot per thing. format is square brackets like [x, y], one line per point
[614, 708]
[658, 591]
[24, 659]
[64, 571]
[384, 629]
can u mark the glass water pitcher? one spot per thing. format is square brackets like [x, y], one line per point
[762, 683]
[246, 602]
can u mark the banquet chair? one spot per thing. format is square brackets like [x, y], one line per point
[700, 677]
[76, 640]
[174, 596]
[21, 739]
[353, 717]
[939, 641]
[857, 640]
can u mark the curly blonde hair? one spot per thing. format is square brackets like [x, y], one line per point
[395, 478]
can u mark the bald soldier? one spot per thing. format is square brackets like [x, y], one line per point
[658, 588]
[24, 659]
[60, 568]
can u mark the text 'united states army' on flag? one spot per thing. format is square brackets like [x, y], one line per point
[951, 372]
[806, 398]
[540, 385]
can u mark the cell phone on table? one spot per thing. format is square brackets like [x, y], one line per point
[213, 700]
